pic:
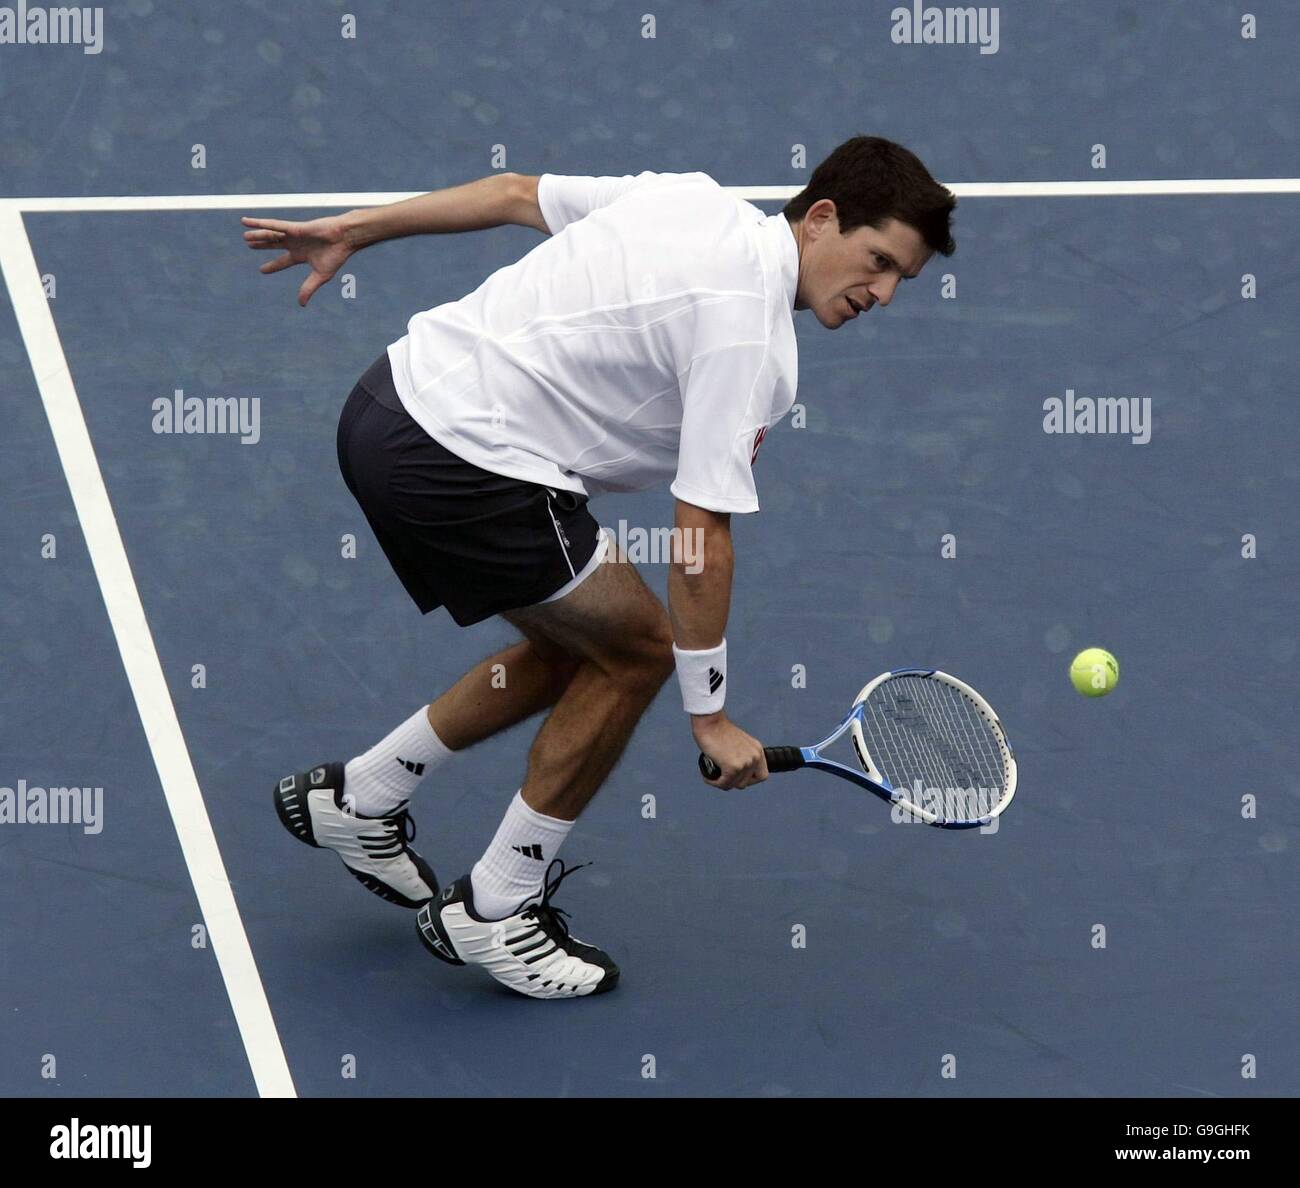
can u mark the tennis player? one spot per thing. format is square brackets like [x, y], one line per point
[649, 338]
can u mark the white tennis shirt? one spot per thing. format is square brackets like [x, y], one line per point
[650, 338]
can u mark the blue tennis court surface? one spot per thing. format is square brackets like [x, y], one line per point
[921, 422]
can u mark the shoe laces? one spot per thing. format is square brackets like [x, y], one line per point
[553, 920]
[401, 823]
[404, 824]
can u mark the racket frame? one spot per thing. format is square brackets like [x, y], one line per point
[874, 781]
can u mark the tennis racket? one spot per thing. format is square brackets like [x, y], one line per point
[925, 741]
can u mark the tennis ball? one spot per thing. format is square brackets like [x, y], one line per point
[1094, 672]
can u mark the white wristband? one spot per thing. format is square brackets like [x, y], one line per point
[703, 678]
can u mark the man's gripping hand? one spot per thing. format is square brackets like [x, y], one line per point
[739, 755]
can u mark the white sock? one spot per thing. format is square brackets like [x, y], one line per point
[514, 865]
[382, 780]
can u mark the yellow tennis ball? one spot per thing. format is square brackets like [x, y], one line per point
[1094, 672]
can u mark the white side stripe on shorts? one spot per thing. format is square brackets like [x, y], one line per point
[597, 556]
[564, 544]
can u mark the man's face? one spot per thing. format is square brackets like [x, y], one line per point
[840, 275]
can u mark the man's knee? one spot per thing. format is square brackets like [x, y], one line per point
[633, 648]
[563, 667]
[637, 655]
[649, 660]
[559, 661]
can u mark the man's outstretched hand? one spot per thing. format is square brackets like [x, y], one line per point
[321, 244]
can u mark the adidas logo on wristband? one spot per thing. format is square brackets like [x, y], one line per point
[702, 674]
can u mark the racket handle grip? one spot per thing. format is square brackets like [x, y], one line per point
[778, 759]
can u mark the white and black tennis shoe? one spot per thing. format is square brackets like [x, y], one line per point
[376, 850]
[530, 951]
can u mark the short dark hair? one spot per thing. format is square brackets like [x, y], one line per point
[870, 180]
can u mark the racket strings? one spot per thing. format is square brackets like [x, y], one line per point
[926, 732]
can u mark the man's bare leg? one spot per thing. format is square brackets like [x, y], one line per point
[496, 693]
[500, 916]
[501, 691]
[622, 637]
[607, 647]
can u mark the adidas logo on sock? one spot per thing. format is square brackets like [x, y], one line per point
[715, 680]
[533, 851]
[413, 768]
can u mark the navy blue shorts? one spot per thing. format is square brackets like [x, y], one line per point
[475, 542]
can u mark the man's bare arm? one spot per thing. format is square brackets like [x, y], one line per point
[527, 212]
[324, 244]
[494, 201]
[699, 601]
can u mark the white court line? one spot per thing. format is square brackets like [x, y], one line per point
[1075, 189]
[1081, 189]
[140, 658]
